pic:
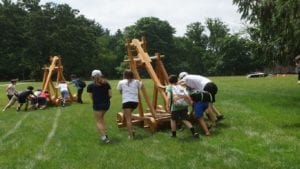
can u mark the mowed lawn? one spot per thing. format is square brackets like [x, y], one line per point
[261, 130]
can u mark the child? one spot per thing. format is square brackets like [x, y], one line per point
[43, 99]
[11, 89]
[129, 89]
[23, 98]
[175, 93]
[80, 85]
[63, 87]
[34, 99]
[100, 93]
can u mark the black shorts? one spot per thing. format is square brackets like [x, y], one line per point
[101, 107]
[130, 105]
[22, 100]
[212, 89]
[179, 114]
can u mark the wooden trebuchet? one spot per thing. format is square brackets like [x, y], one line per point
[138, 59]
[54, 72]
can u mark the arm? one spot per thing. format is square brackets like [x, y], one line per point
[168, 103]
[109, 93]
[91, 95]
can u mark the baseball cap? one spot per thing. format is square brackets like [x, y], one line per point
[182, 74]
[96, 72]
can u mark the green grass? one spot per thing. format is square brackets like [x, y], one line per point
[261, 130]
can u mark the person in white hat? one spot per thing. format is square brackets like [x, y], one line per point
[201, 83]
[100, 93]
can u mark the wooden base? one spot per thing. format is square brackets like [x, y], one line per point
[147, 121]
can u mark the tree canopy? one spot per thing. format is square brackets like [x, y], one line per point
[31, 32]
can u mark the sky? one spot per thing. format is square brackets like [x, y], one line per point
[117, 14]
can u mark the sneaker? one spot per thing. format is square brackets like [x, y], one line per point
[220, 118]
[196, 135]
[18, 108]
[106, 140]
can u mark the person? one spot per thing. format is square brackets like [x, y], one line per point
[129, 89]
[40, 99]
[11, 102]
[63, 87]
[23, 97]
[34, 99]
[80, 85]
[199, 109]
[43, 99]
[11, 89]
[178, 100]
[201, 83]
[297, 61]
[100, 93]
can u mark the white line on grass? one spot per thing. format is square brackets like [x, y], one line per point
[40, 154]
[15, 128]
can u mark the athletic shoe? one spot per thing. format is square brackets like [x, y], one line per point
[220, 118]
[196, 135]
[106, 140]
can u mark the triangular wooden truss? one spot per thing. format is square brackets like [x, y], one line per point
[155, 114]
[55, 68]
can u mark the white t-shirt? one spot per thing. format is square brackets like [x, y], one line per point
[129, 91]
[63, 87]
[11, 89]
[195, 82]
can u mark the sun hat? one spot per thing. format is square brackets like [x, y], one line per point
[182, 75]
[96, 72]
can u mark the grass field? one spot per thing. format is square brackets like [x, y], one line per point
[261, 130]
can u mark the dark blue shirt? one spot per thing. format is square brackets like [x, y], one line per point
[76, 83]
[100, 93]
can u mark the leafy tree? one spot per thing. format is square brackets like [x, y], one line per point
[159, 37]
[275, 25]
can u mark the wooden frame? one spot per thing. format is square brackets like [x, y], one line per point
[49, 71]
[155, 114]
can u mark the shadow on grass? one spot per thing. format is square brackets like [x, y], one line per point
[223, 125]
[295, 125]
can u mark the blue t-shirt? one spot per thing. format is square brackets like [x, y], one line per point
[100, 93]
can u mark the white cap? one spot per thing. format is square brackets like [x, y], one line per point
[182, 74]
[96, 72]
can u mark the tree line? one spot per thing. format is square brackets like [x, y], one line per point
[31, 32]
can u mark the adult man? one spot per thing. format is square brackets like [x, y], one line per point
[201, 83]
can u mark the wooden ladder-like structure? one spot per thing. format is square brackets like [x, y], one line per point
[50, 71]
[155, 114]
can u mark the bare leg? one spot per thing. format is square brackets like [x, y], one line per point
[173, 128]
[127, 113]
[187, 123]
[99, 116]
[10, 103]
[210, 115]
[204, 126]
[214, 109]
